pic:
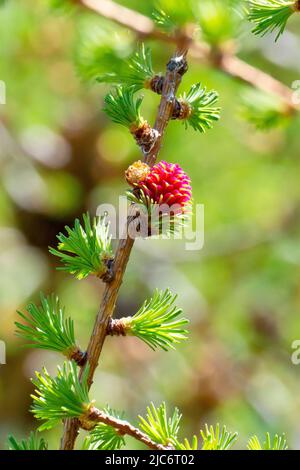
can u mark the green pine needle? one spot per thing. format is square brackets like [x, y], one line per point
[220, 20]
[47, 327]
[263, 110]
[33, 442]
[202, 110]
[158, 426]
[160, 223]
[164, 21]
[85, 250]
[212, 439]
[157, 323]
[123, 108]
[61, 397]
[137, 72]
[61, 6]
[270, 15]
[100, 46]
[186, 444]
[171, 15]
[277, 443]
[217, 438]
[104, 437]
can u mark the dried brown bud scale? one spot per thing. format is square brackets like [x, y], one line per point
[145, 136]
[107, 275]
[156, 84]
[78, 356]
[178, 64]
[182, 110]
[118, 327]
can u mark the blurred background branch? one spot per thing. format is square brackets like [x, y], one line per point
[144, 27]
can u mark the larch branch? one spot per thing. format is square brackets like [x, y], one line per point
[123, 427]
[228, 63]
[176, 67]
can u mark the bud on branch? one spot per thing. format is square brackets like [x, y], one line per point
[86, 250]
[47, 328]
[105, 437]
[123, 109]
[156, 323]
[138, 73]
[65, 396]
[196, 108]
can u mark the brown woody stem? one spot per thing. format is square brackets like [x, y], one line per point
[133, 20]
[122, 427]
[106, 310]
[175, 69]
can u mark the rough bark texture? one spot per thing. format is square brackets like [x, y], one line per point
[124, 427]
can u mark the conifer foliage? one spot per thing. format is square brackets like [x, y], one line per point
[271, 16]
[87, 250]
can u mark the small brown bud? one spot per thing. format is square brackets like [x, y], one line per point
[118, 326]
[137, 172]
[296, 6]
[182, 110]
[87, 425]
[107, 274]
[145, 136]
[178, 65]
[156, 84]
[80, 357]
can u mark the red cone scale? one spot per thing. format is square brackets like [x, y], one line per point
[167, 184]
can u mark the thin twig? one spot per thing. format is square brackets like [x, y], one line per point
[228, 63]
[131, 19]
[237, 68]
[123, 428]
[166, 107]
[175, 69]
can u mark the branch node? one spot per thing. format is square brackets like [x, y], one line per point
[86, 425]
[117, 327]
[156, 84]
[80, 357]
[108, 275]
[182, 110]
[178, 64]
[145, 137]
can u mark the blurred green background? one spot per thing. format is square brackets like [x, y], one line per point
[60, 155]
